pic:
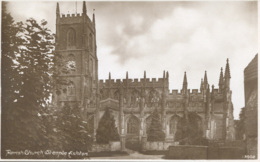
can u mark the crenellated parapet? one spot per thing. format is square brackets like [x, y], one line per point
[134, 83]
[74, 18]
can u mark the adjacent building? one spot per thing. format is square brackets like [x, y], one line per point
[251, 105]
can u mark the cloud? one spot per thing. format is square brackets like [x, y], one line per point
[173, 36]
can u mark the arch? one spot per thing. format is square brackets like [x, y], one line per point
[71, 89]
[196, 121]
[71, 37]
[173, 121]
[133, 125]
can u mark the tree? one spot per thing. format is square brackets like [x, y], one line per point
[107, 130]
[73, 129]
[189, 131]
[26, 83]
[155, 132]
[240, 127]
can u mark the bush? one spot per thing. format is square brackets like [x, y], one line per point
[155, 132]
[107, 131]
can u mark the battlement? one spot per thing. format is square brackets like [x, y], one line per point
[71, 15]
[179, 92]
[74, 18]
[135, 82]
[64, 16]
[175, 92]
[194, 91]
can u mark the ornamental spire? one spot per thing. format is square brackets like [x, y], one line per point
[93, 19]
[201, 85]
[227, 71]
[185, 83]
[205, 80]
[221, 78]
[84, 8]
[57, 9]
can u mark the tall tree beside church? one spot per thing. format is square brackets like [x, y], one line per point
[155, 132]
[26, 85]
[107, 130]
[9, 45]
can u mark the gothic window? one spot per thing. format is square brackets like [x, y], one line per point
[91, 42]
[135, 96]
[71, 90]
[133, 125]
[154, 98]
[71, 37]
[195, 122]
[173, 124]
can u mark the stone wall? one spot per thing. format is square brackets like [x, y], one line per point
[187, 152]
[111, 146]
[157, 146]
[205, 152]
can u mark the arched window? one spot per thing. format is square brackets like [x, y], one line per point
[71, 90]
[154, 97]
[173, 124]
[135, 96]
[71, 38]
[133, 125]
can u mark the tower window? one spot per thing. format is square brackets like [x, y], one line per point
[71, 38]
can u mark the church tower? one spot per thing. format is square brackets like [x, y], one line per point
[76, 44]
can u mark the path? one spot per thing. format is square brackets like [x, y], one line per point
[132, 155]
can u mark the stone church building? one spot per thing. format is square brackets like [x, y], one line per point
[131, 101]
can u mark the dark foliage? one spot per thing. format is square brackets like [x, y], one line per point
[155, 132]
[240, 126]
[107, 130]
[26, 63]
[189, 131]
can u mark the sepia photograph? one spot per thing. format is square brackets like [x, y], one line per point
[129, 80]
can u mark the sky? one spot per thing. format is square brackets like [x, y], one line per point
[172, 36]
